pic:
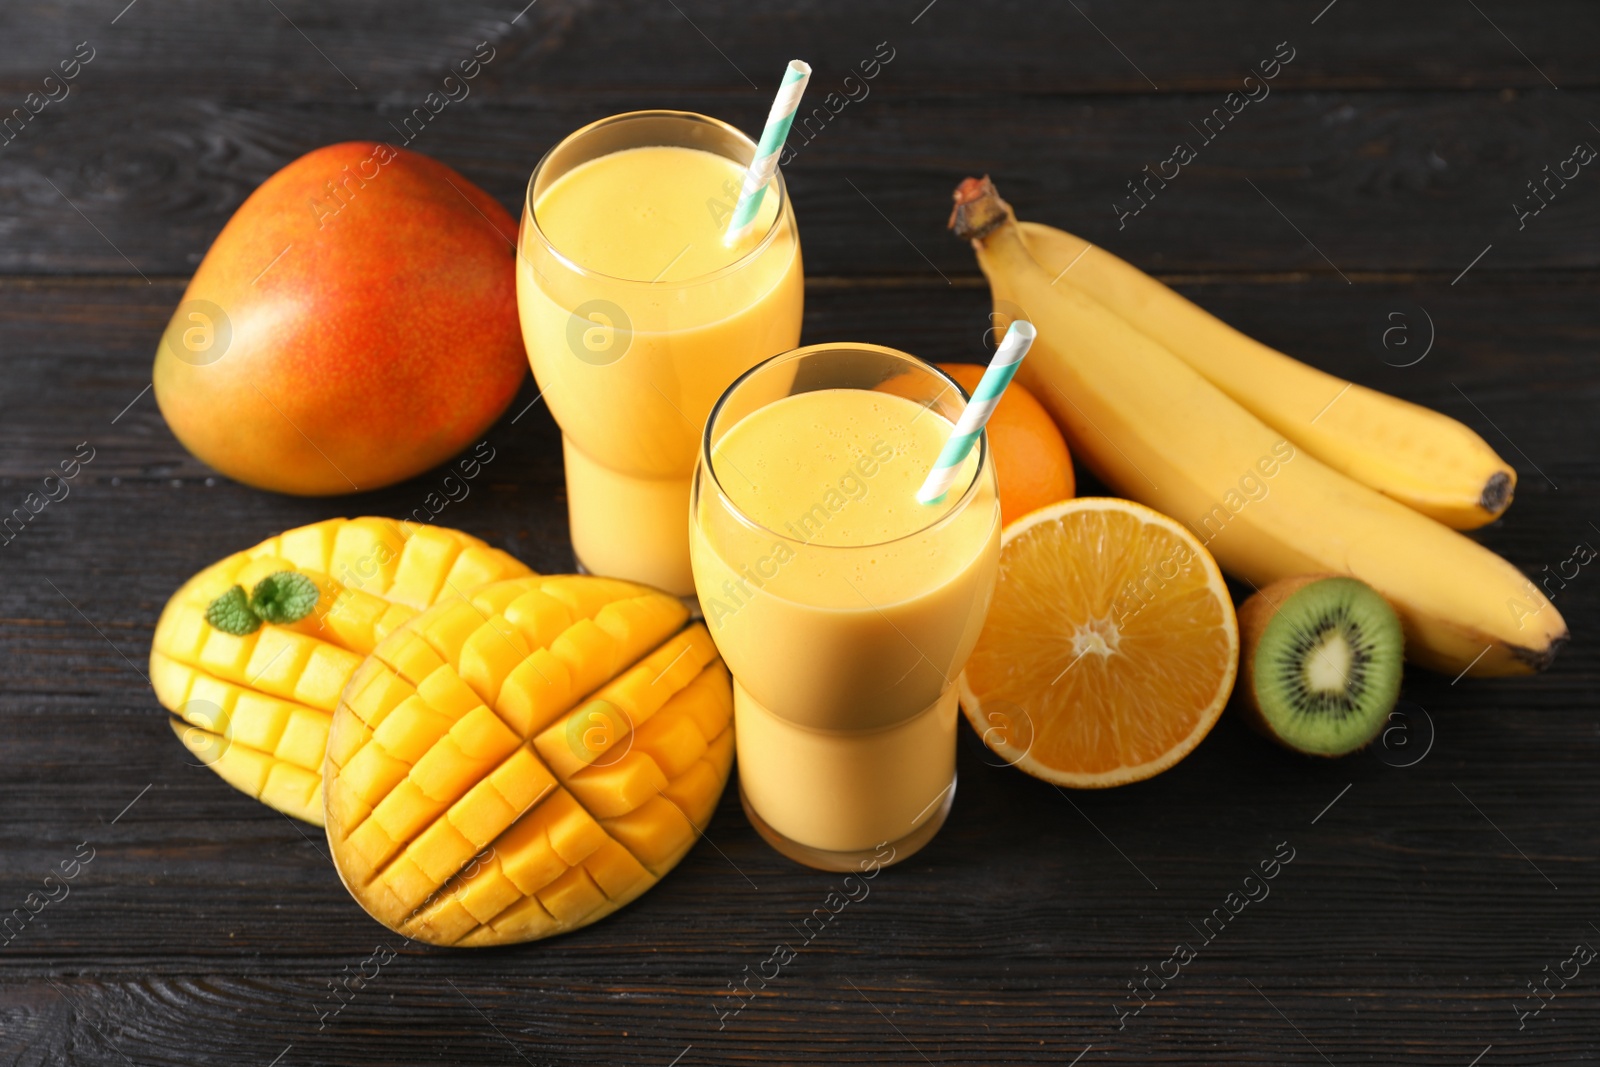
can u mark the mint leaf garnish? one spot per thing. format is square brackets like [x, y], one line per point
[284, 597]
[231, 613]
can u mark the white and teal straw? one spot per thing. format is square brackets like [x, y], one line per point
[765, 163]
[1015, 345]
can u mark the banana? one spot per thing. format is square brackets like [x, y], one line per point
[1421, 458]
[1157, 431]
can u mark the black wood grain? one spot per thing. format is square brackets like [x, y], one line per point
[1342, 182]
[317, 52]
[1422, 899]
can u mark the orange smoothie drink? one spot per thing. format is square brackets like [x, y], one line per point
[844, 607]
[637, 316]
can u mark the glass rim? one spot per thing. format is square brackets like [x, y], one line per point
[531, 217]
[707, 461]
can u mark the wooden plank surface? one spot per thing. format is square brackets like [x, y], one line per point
[1421, 899]
[368, 48]
[1352, 183]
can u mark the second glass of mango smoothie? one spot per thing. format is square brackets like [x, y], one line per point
[636, 316]
[844, 607]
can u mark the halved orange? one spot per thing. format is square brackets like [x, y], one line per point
[1110, 649]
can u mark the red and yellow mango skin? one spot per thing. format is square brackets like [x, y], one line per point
[354, 324]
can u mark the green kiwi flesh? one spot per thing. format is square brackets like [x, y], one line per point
[1325, 670]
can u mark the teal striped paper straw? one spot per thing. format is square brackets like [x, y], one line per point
[765, 163]
[1015, 345]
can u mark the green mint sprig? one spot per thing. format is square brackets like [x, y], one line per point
[284, 597]
[231, 613]
[281, 598]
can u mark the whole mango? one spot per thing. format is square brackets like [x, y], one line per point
[354, 323]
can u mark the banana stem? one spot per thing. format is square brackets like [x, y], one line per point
[978, 210]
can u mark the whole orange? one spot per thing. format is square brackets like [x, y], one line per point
[353, 324]
[1031, 460]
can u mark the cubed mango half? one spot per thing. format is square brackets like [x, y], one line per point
[527, 760]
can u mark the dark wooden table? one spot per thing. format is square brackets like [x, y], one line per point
[1432, 881]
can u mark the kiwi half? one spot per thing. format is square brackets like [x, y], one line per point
[1320, 660]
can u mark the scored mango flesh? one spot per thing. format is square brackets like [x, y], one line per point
[256, 708]
[527, 761]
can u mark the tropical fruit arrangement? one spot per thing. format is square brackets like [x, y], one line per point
[1107, 656]
[499, 756]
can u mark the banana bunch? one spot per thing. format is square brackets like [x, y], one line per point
[1280, 469]
[1427, 461]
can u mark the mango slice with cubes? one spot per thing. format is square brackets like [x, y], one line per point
[526, 761]
[256, 708]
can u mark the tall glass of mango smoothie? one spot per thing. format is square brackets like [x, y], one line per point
[844, 607]
[637, 315]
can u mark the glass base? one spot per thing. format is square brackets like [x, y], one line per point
[825, 860]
